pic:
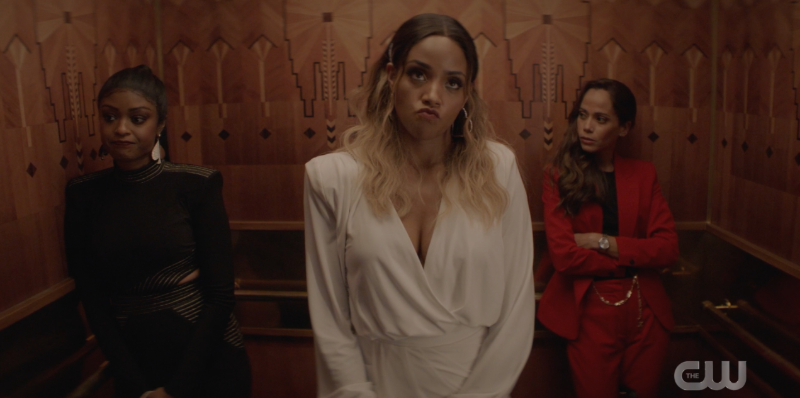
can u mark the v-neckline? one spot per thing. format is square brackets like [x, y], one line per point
[410, 243]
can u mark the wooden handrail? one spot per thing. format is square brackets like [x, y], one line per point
[760, 348]
[271, 284]
[33, 387]
[756, 250]
[771, 323]
[752, 378]
[284, 332]
[266, 295]
[36, 302]
[244, 225]
[91, 384]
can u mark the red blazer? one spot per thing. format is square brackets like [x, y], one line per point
[647, 240]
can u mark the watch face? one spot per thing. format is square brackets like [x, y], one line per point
[604, 243]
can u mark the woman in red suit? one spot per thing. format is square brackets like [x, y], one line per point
[609, 231]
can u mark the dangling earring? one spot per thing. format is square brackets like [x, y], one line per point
[103, 152]
[156, 153]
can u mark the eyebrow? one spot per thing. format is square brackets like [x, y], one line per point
[426, 66]
[596, 113]
[129, 110]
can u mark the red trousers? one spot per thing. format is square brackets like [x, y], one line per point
[611, 349]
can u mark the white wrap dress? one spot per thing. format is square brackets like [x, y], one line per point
[387, 326]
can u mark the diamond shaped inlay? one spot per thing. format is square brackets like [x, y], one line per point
[265, 134]
[309, 133]
[724, 143]
[653, 137]
[64, 162]
[186, 136]
[524, 134]
[797, 159]
[692, 138]
[769, 152]
[93, 154]
[31, 169]
[745, 146]
[224, 134]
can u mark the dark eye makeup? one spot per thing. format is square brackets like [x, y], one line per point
[416, 73]
[454, 83]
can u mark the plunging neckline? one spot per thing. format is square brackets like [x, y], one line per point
[410, 243]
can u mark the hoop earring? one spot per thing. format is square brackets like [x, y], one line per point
[156, 153]
[469, 121]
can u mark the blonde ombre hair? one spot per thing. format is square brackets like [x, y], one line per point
[375, 141]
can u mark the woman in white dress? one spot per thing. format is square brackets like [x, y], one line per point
[419, 247]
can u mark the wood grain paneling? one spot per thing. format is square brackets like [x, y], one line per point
[258, 87]
[755, 176]
[49, 75]
[266, 83]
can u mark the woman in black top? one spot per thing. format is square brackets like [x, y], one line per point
[148, 244]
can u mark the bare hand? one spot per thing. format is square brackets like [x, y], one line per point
[590, 240]
[159, 393]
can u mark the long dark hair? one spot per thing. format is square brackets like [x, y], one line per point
[141, 80]
[579, 177]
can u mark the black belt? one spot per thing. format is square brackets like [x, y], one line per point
[629, 273]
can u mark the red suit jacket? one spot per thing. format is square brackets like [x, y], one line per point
[646, 241]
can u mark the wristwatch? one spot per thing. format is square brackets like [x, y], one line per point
[603, 242]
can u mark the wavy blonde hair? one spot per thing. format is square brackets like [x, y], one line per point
[375, 141]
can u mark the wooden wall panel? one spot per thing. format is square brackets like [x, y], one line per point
[259, 87]
[757, 166]
[266, 82]
[48, 123]
[661, 52]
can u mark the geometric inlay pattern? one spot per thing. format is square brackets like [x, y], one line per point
[724, 143]
[224, 134]
[186, 136]
[797, 159]
[692, 138]
[769, 152]
[31, 169]
[309, 133]
[653, 136]
[265, 134]
[546, 38]
[64, 162]
[93, 154]
[745, 146]
[524, 134]
[548, 133]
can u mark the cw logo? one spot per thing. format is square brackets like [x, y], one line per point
[708, 379]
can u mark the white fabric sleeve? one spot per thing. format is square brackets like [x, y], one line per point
[339, 362]
[507, 345]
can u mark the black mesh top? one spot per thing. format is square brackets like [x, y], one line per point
[123, 227]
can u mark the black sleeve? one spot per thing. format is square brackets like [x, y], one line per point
[95, 300]
[214, 256]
